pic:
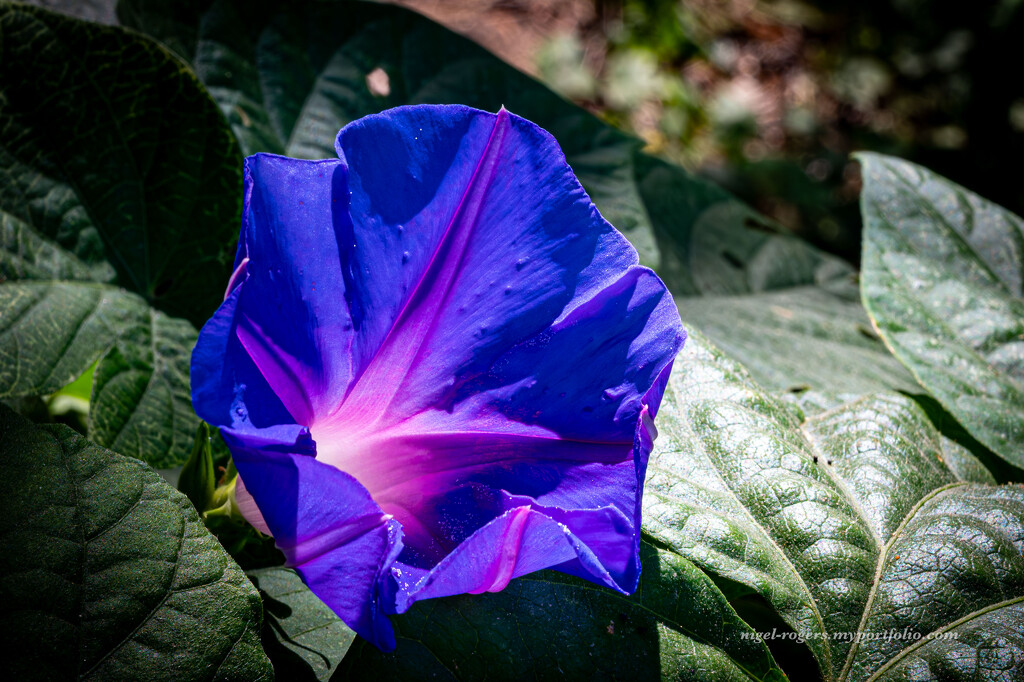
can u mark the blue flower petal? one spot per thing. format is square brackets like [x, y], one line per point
[325, 522]
[446, 314]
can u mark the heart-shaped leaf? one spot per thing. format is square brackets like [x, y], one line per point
[548, 625]
[120, 174]
[820, 515]
[302, 637]
[108, 573]
[943, 276]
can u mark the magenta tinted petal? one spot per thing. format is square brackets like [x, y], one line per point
[518, 542]
[291, 316]
[438, 364]
[227, 387]
[326, 524]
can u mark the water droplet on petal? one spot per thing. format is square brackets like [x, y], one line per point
[405, 256]
[521, 263]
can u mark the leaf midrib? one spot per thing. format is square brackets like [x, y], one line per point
[946, 628]
[810, 601]
[880, 564]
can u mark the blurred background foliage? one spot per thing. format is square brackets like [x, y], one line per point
[769, 97]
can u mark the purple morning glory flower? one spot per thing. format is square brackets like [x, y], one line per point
[437, 366]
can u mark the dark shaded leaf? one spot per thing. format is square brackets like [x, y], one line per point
[112, 151]
[51, 332]
[119, 173]
[108, 573]
[304, 639]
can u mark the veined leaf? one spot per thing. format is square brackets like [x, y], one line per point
[800, 338]
[50, 332]
[108, 573]
[549, 625]
[943, 276]
[816, 514]
[113, 151]
[302, 637]
[118, 207]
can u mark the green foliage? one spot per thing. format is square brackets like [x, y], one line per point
[303, 638]
[847, 521]
[942, 280]
[118, 210]
[108, 573]
[801, 490]
[143, 186]
[785, 309]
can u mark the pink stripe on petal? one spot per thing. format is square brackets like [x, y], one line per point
[236, 277]
[505, 559]
[286, 376]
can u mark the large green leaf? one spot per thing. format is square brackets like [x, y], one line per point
[119, 202]
[303, 638]
[830, 517]
[111, 148]
[108, 573]
[548, 625]
[943, 276]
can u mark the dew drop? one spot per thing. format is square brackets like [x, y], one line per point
[405, 256]
[508, 290]
[521, 263]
